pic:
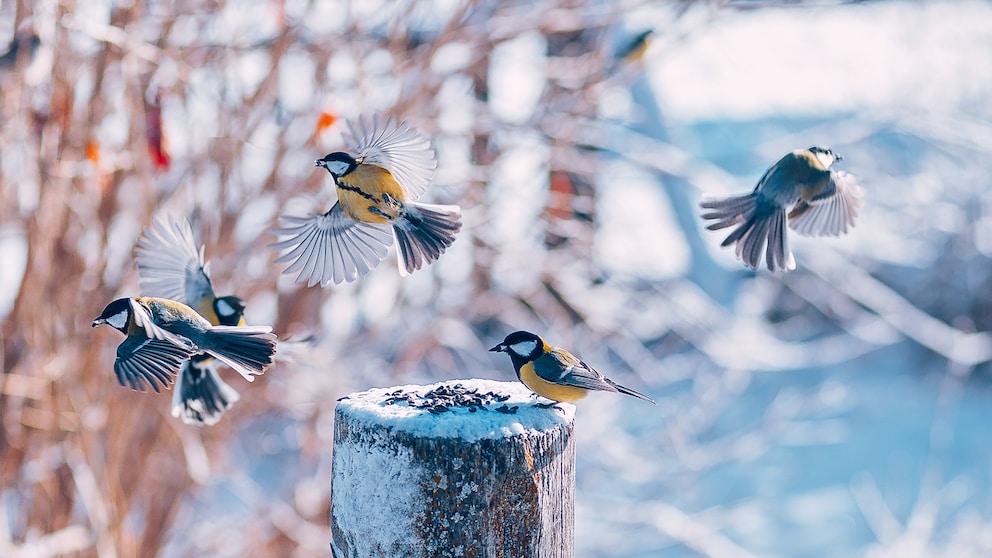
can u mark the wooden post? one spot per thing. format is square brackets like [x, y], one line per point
[464, 468]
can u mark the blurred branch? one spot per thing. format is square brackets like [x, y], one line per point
[687, 529]
[964, 348]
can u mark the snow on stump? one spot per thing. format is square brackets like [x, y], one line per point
[465, 468]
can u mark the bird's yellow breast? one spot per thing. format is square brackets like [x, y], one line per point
[370, 194]
[548, 389]
[206, 309]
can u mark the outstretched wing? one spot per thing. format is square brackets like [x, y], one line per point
[143, 362]
[170, 266]
[833, 211]
[332, 247]
[399, 149]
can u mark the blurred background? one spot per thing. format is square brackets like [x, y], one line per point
[838, 410]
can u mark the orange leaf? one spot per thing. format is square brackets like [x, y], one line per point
[325, 121]
[93, 152]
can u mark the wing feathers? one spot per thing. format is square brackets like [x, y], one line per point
[400, 149]
[332, 247]
[833, 214]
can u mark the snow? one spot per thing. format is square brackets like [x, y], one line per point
[367, 502]
[458, 422]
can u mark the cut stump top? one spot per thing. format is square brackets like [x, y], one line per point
[468, 409]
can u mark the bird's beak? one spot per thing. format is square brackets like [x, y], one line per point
[838, 157]
[97, 322]
[498, 348]
[320, 163]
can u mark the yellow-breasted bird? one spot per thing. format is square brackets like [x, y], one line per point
[553, 372]
[391, 167]
[162, 334]
[170, 266]
[823, 201]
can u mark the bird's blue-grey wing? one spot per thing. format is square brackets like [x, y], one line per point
[561, 367]
[398, 148]
[144, 362]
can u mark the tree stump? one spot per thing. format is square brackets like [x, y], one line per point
[465, 468]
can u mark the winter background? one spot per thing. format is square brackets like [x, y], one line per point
[838, 410]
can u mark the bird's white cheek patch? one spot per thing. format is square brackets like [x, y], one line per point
[118, 320]
[337, 168]
[524, 348]
[224, 309]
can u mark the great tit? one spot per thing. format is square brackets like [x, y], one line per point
[553, 372]
[823, 202]
[376, 188]
[161, 334]
[170, 266]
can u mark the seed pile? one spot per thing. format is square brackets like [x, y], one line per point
[446, 397]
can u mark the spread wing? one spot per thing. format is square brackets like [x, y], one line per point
[170, 266]
[561, 367]
[332, 247]
[400, 149]
[831, 212]
[143, 362]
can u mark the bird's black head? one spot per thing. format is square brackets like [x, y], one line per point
[338, 163]
[522, 346]
[117, 315]
[825, 155]
[229, 310]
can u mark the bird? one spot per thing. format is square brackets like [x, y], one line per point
[170, 266]
[162, 334]
[823, 201]
[389, 167]
[553, 372]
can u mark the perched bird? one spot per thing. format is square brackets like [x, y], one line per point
[823, 202]
[553, 372]
[170, 266]
[376, 187]
[162, 334]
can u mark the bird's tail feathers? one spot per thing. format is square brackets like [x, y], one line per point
[628, 391]
[761, 229]
[424, 232]
[729, 211]
[247, 349]
[200, 397]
